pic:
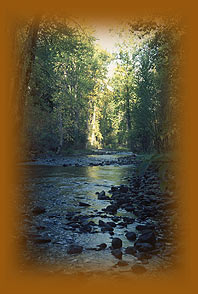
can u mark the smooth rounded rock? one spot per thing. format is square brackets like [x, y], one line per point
[116, 243]
[117, 253]
[131, 236]
[143, 247]
[130, 250]
[74, 249]
[148, 237]
[138, 269]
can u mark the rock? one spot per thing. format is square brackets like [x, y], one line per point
[147, 237]
[101, 223]
[138, 269]
[143, 247]
[111, 224]
[86, 228]
[106, 227]
[38, 210]
[129, 208]
[116, 243]
[42, 241]
[91, 223]
[122, 224]
[92, 248]
[102, 246]
[102, 196]
[144, 227]
[74, 249]
[117, 253]
[122, 263]
[84, 204]
[113, 189]
[131, 236]
[128, 220]
[143, 255]
[130, 250]
[111, 209]
[115, 218]
[123, 189]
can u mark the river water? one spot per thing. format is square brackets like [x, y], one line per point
[59, 190]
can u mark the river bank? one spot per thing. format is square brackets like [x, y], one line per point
[95, 214]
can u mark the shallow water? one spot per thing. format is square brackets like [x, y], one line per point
[59, 190]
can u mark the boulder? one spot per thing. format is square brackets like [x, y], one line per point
[117, 253]
[138, 269]
[102, 196]
[147, 237]
[144, 227]
[130, 250]
[102, 246]
[143, 247]
[106, 227]
[112, 224]
[111, 209]
[143, 255]
[129, 208]
[123, 189]
[131, 236]
[42, 241]
[38, 210]
[74, 249]
[122, 263]
[84, 204]
[116, 243]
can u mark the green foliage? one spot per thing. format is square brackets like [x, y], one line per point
[70, 103]
[163, 163]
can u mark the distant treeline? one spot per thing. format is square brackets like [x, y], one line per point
[63, 98]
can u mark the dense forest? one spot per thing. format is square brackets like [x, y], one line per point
[63, 97]
[96, 111]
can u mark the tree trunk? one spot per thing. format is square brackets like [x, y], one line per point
[93, 137]
[60, 132]
[23, 73]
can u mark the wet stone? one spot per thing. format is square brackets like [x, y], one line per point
[147, 237]
[138, 269]
[84, 204]
[116, 243]
[131, 236]
[38, 210]
[130, 250]
[42, 241]
[122, 263]
[102, 246]
[74, 249]
[143, 247]
[117, 253]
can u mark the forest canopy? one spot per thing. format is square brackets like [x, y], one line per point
[64, 97]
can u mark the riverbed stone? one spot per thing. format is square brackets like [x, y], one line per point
[144, 227]
[38, 210]
[42, 241]
[143, 247]
[122, 263]
[116, 243]
[111, 209]
[147, 237]
[84, 204]
[131, 236]
[117, 253]
[102, 246]
[74, 249]
[138, 269]
[130, 250]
